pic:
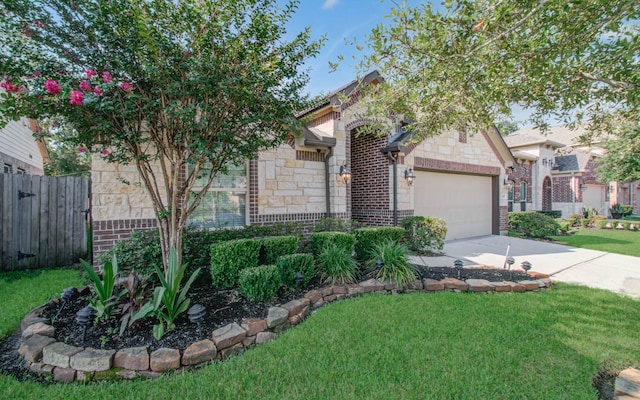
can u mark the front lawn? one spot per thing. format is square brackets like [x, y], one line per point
[609, 240]
[414, 346]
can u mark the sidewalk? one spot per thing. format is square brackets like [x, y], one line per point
[615, 272]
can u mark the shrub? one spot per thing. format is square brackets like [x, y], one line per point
[230, 257]
[336, 225]
[141, 251]
[367, 238]
[424, 234]
[273, 247]
[575, 219]
[395, 266]
[533, 224]
[564, 226]
[320, 240]
[627, 210]
[602, 223]
[290, 264]
[552, 213]
[586, 222]
[259, 283]
[336, 265]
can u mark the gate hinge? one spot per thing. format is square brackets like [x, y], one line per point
[22, 256]
[22, 195]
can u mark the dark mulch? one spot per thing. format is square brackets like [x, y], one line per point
[223, 307]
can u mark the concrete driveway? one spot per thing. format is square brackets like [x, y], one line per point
[592, 268]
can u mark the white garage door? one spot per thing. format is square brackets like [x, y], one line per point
[463, 201]
[593, 196]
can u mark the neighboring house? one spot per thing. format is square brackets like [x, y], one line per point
[557, 172]
[456, 176]
[20, 152]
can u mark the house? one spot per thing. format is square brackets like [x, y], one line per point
[20, 152]
[329, 170]
[555, 171]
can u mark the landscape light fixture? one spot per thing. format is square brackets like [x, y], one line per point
[409, 176]
[196, 314]
[84, 318]
[344, 172]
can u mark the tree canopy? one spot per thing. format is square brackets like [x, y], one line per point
[158, 83]
[463, 66]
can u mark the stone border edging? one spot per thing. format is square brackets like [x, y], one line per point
[65, 363]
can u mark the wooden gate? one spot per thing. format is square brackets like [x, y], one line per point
[44, 220]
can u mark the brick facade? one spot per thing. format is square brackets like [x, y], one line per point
[107, 233]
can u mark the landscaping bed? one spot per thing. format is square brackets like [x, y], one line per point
[224, 308]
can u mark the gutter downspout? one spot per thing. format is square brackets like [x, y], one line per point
[326, 183]
[394, 156]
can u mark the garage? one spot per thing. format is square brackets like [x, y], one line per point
[464, 201]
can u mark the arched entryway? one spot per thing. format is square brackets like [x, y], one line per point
[546, 194]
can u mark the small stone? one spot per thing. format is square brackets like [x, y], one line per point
[92, 360]
[64, 375]
[313, 296]
[329, 299]
[628, 383]
[199, 352]
[415, 284]
[547, 282]
[248, 341]
[264, 337]
[318, 304]
[31, 348]
[355, 289]
[149, 374]
[83, 376]
[295, 306]
[229, 335]
[328, 291]
[537, 275]
[342, 289]
[276, 316]
[501, 286]
[391, 285]
[30, 320]
[231, 351]
[454, 284]
[432, 285]
[39, 328]
[127, 374]
[530, 285]
[516, 287]
[479, 285]
[294, 320]
[372, 285]
[165, 359]
[59, 354]
[253, 325]
[282, 327]
[132, 358]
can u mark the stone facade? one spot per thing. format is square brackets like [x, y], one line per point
[290, 183]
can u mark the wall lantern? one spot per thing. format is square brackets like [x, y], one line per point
[508, 182]
[409, 176]
[344, 172]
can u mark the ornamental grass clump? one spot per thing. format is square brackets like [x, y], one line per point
[394, 265]
[336, 265]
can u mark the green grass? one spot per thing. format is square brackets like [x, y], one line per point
[609, 240]
[20, 291]
[545, 345]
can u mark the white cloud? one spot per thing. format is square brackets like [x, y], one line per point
[329, 4]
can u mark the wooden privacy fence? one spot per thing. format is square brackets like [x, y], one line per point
[44, 220]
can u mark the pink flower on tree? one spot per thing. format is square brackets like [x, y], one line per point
[52, 86]
[104, 153]
[90, 73]
[38, 24]
[85, 85]
[126, 86]
[9, 87]
[106, 77]
[82, 149]
[97, 91]
[75, 97]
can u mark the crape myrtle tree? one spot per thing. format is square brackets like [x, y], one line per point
[462, 65]
[162, 84]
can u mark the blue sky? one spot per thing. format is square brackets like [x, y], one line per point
[337, 20]
[350, 19]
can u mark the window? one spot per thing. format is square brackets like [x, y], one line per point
[20, 171]
[523, 196]
[225, 203]
[6, 168]
[510, 197]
